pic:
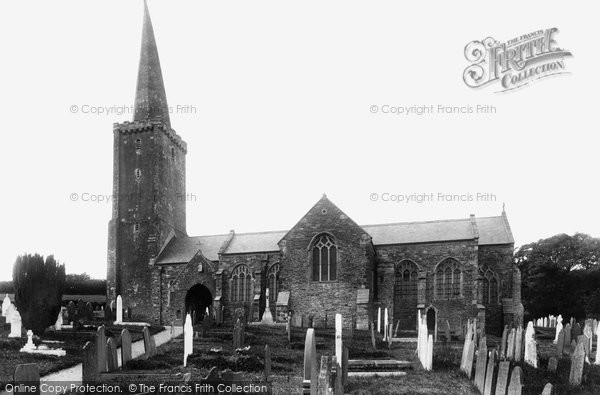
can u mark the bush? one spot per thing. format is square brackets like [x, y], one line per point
[38, 288]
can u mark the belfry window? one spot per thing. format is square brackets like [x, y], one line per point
[448, 280]
[241, 284]
[324, 258]
[138, 174]
[138, 146]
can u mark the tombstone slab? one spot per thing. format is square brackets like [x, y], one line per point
[111, 355]
[516, 384]
[489, 374]
[27, 374]
[577, 362]
[125, 347]
[481, 365]
[502, 380]
[552, 364]
[548, 388]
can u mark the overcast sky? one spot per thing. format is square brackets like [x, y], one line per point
[282, 93]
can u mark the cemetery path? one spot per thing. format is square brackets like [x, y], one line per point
[73, 374]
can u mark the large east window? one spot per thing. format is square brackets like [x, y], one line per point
[324, 258]
[241, 284]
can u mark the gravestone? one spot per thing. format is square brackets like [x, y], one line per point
[345, 365]
[547, 389]
[267, 362]
[125, 347]
[518, 344]
[552, 364]
[559, 327]
[373, 341]
[467, 342]
[80, 308]
[324, 381]
[502, 379]
[237, 335]
[310, 362]
[15, 323]
[385, 324]
[469, 360]
[481, 365]
[489, 374]
[337, 376]
[586, 346]
[288, 329]
[188, 340]
[119, 309]
[5, 303]
[379, 320]
[447, 332]
[510, 352]
[587, 332]
[567, 340]
[575, 331]
[516, 384]
[338, 340]
[503, 344]
[59, 322]
[560, 345]
[396, 330]
[89, 311]
[71, 311]
[111, 355]
[531, 353]
[101, 349]
[573, 345]
[149, 343]
[577, 362]
[27, 374]
[89, 368]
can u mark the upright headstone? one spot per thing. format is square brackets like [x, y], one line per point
[149, 343]
[560, 344]
[516, 384]
[589, 336]
[324, 381]
[559, 327]
[519, 344]
[310, 362]
[577, 362]
[71, 311]
[466, 345]
[27, 374]
[267, 362]
[447, 331]
[481, 365]
[586, 344]
[89, 369]
[15, 323]
[552, 364]
[338, 340]
[373, 341]
[5, 303]
[288, 329]
[119, 309]
[345, 365]
[111, 355]
[530, 347]
[379, 320]
[575, 331]
[503, 342]
[548, 388]
[237, 335]
[502, 379]
[81, 309]
[469, 360]
[125, 347]
[510, 352]
[101, 349]
[385, 324]
[59, 322]
[567, 331]
[489, 374]
[89, 311]
[188, 338]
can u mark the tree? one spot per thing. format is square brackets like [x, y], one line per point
[559, 274]
[38, 288]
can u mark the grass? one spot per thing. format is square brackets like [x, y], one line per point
[71, 341]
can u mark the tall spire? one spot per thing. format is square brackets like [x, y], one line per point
[150, 97]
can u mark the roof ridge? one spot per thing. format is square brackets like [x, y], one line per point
[421, 222]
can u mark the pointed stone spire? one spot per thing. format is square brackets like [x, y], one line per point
[150, 97]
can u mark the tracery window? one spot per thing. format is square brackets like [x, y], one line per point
[448, 280]
[273, 282]
[324, 258]
[491, 286]
[241, 284]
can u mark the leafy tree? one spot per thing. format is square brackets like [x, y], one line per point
[559, 274]
[38, 288]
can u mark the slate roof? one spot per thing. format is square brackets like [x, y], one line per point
[491, 230]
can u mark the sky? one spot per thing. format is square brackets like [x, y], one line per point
[280, 102]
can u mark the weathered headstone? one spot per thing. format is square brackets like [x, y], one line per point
[552, 364]
[373, 341]
[481, 365]
[119, 310]
[502, 379]
[510, 352]
[547, 389]
[89, 311]
[587, 332]
[466, 345]
[575, 330]
[338, 340]
[503, 342]
[101, 349]
[519, 344]
[267, 362]
[310, 362]
[567, 340]
[577, 362]
[111, 355]
[559, 327]
[489, 374]
[345, 365]
[80, 308]
[237, 335]
[324, 381]
[71, 311]
[288, 329]
[385, 324]
[188, 338]
[149, 343]
[586, 346]
[516, 384]
[89, 369]
[597, 360]
[379, 320]
[27, 374]
[59, 322]
[469, 360]
[531, 349]
[15, 324]
[560, 344]
[125, 347]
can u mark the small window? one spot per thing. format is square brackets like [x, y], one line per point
[136, 227]
[138, 174]
[172, 153]
[138, 146]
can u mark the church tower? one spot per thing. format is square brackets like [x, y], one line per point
[148, 188]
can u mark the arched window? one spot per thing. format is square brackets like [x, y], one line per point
[448, 280]
[491, 286]
[273, 282]
[324, 259]
[406, 280]
[241, 284]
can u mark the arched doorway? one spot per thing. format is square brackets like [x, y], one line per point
[405, 295]
[197, 300]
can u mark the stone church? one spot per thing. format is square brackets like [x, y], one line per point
[449, 270]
